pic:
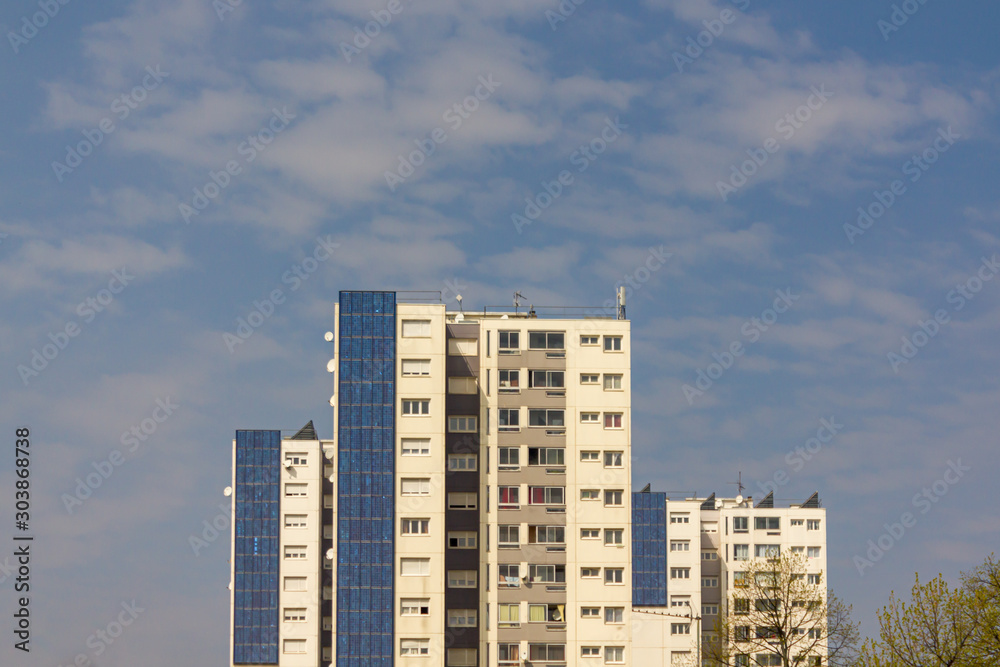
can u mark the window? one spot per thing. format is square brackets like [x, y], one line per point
[590, 651]
[416, 329]
[680, 601]
[547, 652]
[680, 573]
[463, 386]
[546, 495]
[510, 497]
[414, 367]
[461, 618]
[590, 456]
[612, 382]
[510, 575]
[589, 494]
[295, 584]
[462, 657]
[766, 550]
[767, 605]
[612, 343]
[415, 447]
[742, 660]
[418, 406]
[612, 420]
[680, 545]
[614, 536]
[740, 524]
[768, 659]
[709, 610]
[741, 605]
[546, 534]
[812, 552]
[414, 647]
[613, 498]
[296, 459]
[510, 342]
[546, 417]
[680, 628]
[590, 572]
[415, 567]
[510, 535]
[797, 522]
[799, 550]
[510, 457]
[547, 379]
[415, 607]
[294, 646]
[462, 424]
[614, 654]
[463, 347]
[546, 340]
[414, 526]
[510, 615]
[812, 524]
[614, 614]
[545, 613]
[741, 633]
[741, 552]
[709, 555]
[509, 380]
[814, 579]
[461, 578]
[589, 378]
[461, 462]
[509, 654]
[613, 459]
[296, 490]
[590, 612]
[462, 501]
[590, 533]
[418, 486]
[614, 575]
[510, 419]
[295, 521]
[550, 574]
[709, 582]
[767, 523]
[589, 340]
[546, 456]
[740, 580]
[294, 552]
[677, 517]
[815, 633]
[295, 615]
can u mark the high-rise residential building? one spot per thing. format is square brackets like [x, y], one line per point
[471, 510]
[689, 556]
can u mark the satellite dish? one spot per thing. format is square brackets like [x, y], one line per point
[332, 478]
[460, 317]
[328, 336]
[504, 317]
[331, 366]
[739, 500]
[333, 400]
[228, 491]
[718, 503]
[328, 453]
[329, 554]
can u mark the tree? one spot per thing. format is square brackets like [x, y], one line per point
[941, 626]
[780, 613]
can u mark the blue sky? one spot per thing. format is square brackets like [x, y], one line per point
[806, 111]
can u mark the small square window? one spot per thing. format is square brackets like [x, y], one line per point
[680, 545]
[613, 459]
[614, 536]
[614, 575]
[589, 494]
[415, 447]
[612, 343]
[461, 578]
[614, 615]
[590, 651]
[589, 340]
[414, 647]
[590, 456]
[415, 526]
[589, 378]
[590, 572]
[421, 406]
[462, 424]
[462, 462]
[612, 420]
[612, 382]
[295, 615]
[613, 498]
[614, 655]
[415, 607]
[590, 612]
[415, 367]
[590, 417]
[590, 533]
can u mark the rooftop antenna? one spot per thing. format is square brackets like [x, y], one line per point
[739, 483]
[621, 302]
[458, 297]
[517, 301]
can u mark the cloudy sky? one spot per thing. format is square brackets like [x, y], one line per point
[165, 165]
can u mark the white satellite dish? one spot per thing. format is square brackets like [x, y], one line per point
[228, 491]
[739, 500]
[460, 317]
[331, 366]
[328, 453]
[329, 554]
[718, 503]
[328, 336]
[333, 400]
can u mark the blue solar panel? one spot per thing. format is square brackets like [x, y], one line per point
[366, 470]
[649, 549]
[255, 586]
